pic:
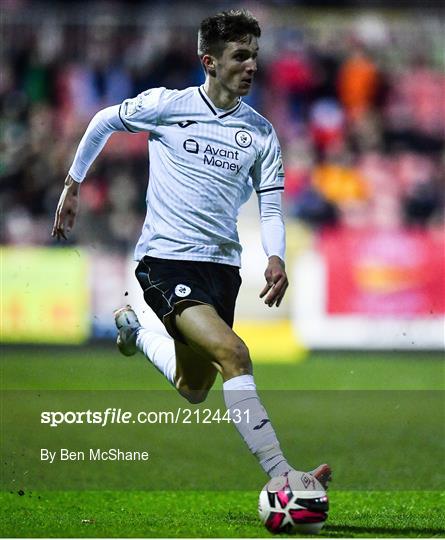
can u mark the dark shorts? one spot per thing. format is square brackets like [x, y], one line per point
[168, 283]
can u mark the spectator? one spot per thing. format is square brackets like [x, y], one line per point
[353, 154]
[358, 81]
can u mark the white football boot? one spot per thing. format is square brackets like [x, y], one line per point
[127, 324]
[323, 474]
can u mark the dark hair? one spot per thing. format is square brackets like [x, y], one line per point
[233, 25]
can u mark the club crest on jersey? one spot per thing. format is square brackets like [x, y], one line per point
[182, 290]
[243, 139]
[191, 146]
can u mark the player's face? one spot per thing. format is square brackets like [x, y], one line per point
[235, 68]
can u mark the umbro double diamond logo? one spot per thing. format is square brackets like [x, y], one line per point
[307, 480]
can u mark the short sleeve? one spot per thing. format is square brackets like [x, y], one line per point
[268, 172]
[142, 112]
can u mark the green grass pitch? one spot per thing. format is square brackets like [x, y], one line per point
[391, 382]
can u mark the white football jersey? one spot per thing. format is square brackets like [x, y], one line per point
[204, 163]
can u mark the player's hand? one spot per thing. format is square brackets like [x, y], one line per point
[67, 208]
[276, 282]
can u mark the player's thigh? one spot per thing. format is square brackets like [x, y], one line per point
[206, 333]
[193, 371]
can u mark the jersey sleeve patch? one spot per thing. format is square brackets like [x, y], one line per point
[142, 112]
[132, 105]
[122, 119]
[268, 170]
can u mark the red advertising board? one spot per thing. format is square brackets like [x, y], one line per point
[385, 273]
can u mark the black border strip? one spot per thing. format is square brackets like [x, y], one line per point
[206, 102]
[123, 123]
[232, 111]
[271, 189]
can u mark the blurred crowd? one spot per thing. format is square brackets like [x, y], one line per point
[358, 103]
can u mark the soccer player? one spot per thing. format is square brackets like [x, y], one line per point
[208, 152]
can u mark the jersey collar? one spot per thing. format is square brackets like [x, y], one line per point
[219, 113]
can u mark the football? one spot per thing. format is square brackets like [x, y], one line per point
[293, 503]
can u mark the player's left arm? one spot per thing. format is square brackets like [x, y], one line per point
[274, 243]
[268, 181]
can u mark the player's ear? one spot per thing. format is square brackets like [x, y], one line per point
[208, 62]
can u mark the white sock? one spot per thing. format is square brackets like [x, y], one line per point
[254, 427]
[160, 350]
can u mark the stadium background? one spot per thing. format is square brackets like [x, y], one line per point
[357, 96]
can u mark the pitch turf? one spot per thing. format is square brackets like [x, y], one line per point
[210, 514]
[408, 512]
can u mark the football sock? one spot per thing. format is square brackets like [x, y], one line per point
[254, 426]
[160, 350]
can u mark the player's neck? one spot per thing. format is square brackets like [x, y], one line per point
[219, 96]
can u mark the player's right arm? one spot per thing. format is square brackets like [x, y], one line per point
[133, 115]
[67, 208]
[103, 124]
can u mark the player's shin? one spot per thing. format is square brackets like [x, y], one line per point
[160, 350]
[253, 424]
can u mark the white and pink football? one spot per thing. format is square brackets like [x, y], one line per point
[293, 503]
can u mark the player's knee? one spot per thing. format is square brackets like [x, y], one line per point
[234, 358]
[193, 396]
